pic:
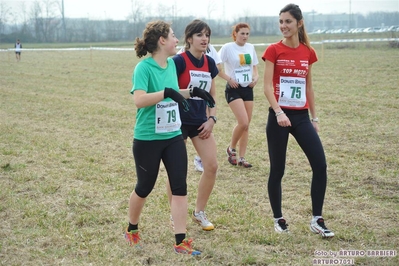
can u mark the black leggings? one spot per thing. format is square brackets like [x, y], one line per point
[148, 156]
[308, 139]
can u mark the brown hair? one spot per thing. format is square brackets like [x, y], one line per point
[149, 42]
[237, 27]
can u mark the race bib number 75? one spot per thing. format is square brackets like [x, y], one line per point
[292, 92]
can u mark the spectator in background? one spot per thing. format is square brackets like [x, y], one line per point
[18, 49]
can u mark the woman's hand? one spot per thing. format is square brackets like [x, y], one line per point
[315, 125]
[206, 129]
[233, 84]
[283, 120]
[254, 81]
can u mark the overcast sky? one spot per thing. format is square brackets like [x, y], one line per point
[120, 9]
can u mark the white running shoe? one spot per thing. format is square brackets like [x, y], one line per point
[201, 219]
[317, 226]
[198, 164]
[281, 226]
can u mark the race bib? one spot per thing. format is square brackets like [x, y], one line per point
[292, 92]
[167, 117]
[200, 79]
[243, 75]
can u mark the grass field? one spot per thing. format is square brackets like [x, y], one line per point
[66, 167]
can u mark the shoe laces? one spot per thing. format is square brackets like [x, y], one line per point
[133, 237]
[232, 152]
[283, 224]
[243, 162]
[185, 246]
[201, 215]
[320, 222]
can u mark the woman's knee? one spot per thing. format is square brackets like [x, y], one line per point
[320, 170]
[179, 190]
[243, 125]
[211, 167]
[142, 192]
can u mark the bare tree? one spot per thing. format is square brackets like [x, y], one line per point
[137, 18]
[212, 6]
[5, 13]
[60, 6]
[45, 19]
[24, 30]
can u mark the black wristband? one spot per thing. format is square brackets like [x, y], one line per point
[213, 118]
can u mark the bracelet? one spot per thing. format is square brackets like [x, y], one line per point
[191, 92]
[316, 119]
[280, 113]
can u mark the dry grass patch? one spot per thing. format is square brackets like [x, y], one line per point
[66, 167]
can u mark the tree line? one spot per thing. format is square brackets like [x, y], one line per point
[44, 22]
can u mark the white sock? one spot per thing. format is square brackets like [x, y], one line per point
[276, 219]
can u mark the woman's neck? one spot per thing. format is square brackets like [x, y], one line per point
[161, 59]
[240, 44]
[196, 53]
[292, 42]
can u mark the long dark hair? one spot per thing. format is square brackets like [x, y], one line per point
[149, 41]
[296, 12]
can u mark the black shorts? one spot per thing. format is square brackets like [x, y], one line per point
[17, 52]
[244, 93]
[148, 156]
[189, 131]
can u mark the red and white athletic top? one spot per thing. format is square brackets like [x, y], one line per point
[291, 67]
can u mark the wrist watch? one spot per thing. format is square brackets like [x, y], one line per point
[214, 118]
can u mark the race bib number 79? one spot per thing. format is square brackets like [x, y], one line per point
[167, 117]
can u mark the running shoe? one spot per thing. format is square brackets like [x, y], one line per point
[317, 226]
[201, 219]
[198, 164]
[242, 162]
[232, 156]
[281, 226]
[185, 248]
[132, 238]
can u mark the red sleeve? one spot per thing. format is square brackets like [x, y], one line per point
[313, 56]
[270, 54]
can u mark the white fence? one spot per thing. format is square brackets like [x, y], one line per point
[216, 45]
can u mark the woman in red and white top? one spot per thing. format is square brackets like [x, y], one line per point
[196, 69]
[288, 88]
